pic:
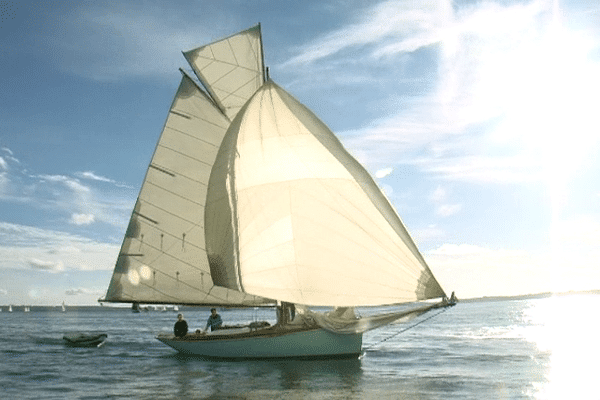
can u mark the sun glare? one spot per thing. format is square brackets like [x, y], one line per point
[545, 87]
[564, 327]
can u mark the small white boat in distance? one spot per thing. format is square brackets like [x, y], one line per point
[80, 339]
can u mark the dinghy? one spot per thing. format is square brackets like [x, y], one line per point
[80, 339]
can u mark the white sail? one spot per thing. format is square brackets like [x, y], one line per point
[292, 216]
[163, 257]
[231, 69]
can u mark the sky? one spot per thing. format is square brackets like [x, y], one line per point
[477, 119]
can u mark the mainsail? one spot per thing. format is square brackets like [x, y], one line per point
[163, 257]
[291, 215]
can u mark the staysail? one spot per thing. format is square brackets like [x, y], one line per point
[163, 257]
[231, 69]
[292, 216]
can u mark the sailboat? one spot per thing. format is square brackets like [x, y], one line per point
[250, 201]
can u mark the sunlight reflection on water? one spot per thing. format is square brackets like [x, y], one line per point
[565, 327]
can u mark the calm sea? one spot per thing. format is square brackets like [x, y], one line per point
[519, 349]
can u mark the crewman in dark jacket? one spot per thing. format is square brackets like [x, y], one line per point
[181, 327]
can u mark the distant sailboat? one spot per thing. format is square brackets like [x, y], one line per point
[26, 309]
[63, 307]
[250, 200]
[9, 308]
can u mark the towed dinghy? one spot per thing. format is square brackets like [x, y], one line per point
[80, 339]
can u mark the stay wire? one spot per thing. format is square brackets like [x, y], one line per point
[407, 328]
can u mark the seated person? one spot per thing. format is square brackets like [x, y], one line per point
[181, 327]
[214, 320]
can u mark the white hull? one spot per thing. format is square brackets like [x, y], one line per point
[268, 343]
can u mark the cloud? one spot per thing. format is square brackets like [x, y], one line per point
[438, 195]
[389, 27]
[83, 292]
[431, 232]
[69, 182]
[510, 81]
[91, 175]
[82, 219]
[503, 272]
[3, 292]
[26, 247]
[66, 198]
[439, 199]
[50, 266]
[447, 210]
[3, 164]
[382, 173]
[9, 155]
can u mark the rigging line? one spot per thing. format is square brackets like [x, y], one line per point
[405, 329]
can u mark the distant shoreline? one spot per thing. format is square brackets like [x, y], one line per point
[528, 296]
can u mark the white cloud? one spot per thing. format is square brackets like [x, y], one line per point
[3, 292]
[511, 81]
[83, 292]
[439, 198]
[477, 271]
[69, 182]
[382, 173]
[50, 266]
[438, 195]
[389, 27]
[447, 210]
[91, 175]
[429, 233]
[66, 198]
[3, 164]
[82, 219]
[25, 247]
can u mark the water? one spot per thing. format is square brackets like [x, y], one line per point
[519, 349]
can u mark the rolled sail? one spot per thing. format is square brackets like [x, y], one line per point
[292, 216]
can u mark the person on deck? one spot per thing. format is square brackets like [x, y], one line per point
[181, 327]
[214, 320]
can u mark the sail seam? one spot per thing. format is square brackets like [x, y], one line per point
[194, 116]
[174, 194]
[185, 155]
